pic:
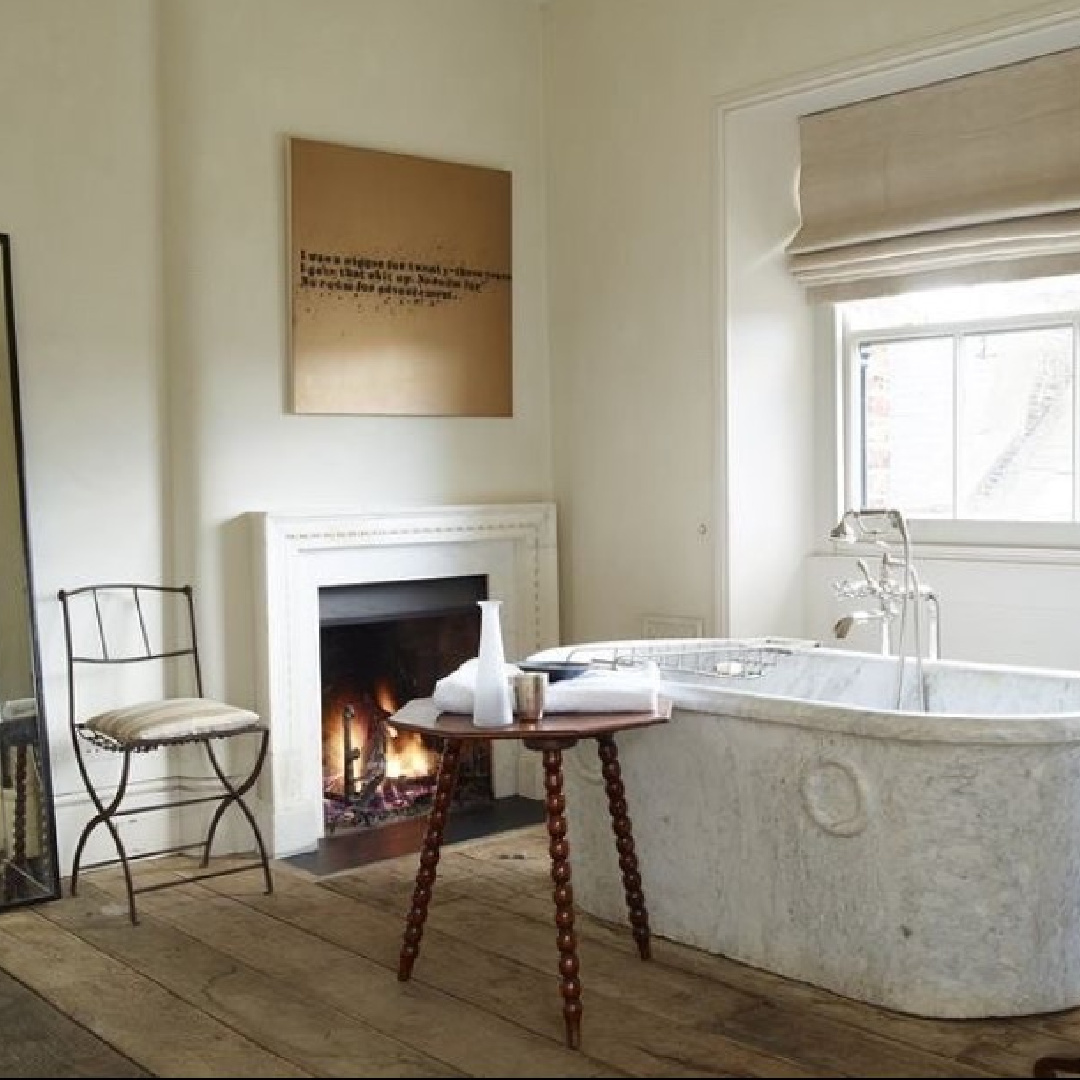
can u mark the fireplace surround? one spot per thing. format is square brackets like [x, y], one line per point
[296, 554]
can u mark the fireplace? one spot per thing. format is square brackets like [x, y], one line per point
[299, 556]
[380, 645]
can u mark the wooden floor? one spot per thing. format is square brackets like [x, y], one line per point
[222, 980]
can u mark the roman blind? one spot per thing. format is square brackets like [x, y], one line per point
[975, 178]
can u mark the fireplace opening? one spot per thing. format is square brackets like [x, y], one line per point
[382, 644]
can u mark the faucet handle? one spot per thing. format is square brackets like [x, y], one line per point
[851, 589]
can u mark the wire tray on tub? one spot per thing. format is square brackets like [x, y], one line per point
[718, 658]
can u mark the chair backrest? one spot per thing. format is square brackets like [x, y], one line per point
[129, 624]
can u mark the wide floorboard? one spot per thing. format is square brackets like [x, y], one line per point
[220, 979]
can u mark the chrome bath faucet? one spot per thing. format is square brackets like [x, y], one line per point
[896, 589]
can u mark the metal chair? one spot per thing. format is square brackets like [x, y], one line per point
[111, 625]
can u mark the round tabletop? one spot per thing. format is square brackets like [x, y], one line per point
[424, 716]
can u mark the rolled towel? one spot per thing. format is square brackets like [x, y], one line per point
[454, 692]
[632, 690]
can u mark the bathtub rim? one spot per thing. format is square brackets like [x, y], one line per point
[972, 729]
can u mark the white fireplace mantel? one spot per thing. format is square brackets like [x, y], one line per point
[513, 545]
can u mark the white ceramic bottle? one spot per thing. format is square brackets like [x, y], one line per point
[492, 703]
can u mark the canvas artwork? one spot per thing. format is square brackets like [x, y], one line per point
[400, 280]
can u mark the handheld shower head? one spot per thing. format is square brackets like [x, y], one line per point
[844, 529]
[873, 525]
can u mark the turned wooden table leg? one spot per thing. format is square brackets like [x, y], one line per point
[624, 843]
[559, 847]
[429, 858]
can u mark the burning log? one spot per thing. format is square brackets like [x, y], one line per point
[374, 774]
[363, 789]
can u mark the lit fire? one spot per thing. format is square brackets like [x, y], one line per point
[406, 756]
[384, 698]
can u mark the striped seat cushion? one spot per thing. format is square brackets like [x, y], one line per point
[171, 718]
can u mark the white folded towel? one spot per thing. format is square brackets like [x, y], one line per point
[454, 692]
[634, 690]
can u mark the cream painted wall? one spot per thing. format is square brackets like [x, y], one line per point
[459, 81]
[142, 180]
[79, 196]
[636, 309]
[996, 608]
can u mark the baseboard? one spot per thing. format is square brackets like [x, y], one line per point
[154, 829]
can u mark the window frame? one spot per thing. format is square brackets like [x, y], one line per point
[973, 532]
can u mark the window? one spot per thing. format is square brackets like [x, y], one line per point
[961, 403]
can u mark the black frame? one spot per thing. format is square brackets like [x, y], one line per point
[51, 888]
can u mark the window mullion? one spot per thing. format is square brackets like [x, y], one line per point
[1075, 417]
[956, 426]
[851, 428]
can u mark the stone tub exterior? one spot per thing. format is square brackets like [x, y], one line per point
[798, 822]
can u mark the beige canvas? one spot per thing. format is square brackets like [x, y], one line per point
[400, 275]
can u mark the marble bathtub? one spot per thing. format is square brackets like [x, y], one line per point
[800, 823]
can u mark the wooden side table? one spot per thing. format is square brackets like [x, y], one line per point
[549, 736]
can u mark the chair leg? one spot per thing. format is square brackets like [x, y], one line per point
[234, 794]
[104, 817]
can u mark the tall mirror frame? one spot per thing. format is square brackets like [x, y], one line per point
[29, 868]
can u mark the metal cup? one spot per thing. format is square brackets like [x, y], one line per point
[530, 691]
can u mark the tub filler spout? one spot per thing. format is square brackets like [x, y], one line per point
[843, 626]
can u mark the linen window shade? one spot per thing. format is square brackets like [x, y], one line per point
[975, 178]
